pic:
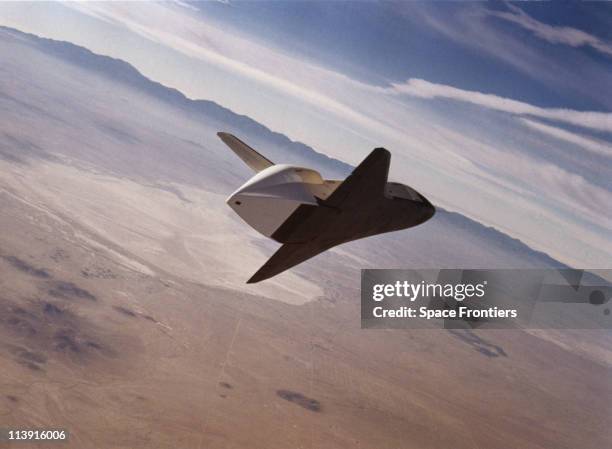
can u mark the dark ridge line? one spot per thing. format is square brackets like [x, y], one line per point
[122, 71]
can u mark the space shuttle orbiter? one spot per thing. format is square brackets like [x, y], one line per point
[308, 214]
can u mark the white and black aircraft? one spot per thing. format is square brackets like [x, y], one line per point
[308, 214]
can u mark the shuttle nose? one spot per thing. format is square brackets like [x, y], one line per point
[428, 209]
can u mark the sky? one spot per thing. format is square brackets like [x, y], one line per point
[500, 111]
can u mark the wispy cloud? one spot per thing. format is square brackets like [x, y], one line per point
[601, 121]
[553, 34]
[592, 145]
[470, 28]
[186, 4]
[475, 26]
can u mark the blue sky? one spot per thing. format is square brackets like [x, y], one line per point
[379, 42]
[499, 111]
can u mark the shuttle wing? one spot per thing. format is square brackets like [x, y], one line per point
[287, 256]
[249, 156]
[366, 181]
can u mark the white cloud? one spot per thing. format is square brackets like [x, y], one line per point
[187, 5]
[592, 145]
[601, 121]
[553, 34]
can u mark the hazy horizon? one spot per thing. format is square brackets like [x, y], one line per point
[526, 149]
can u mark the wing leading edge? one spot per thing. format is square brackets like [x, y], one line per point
[287, 256]
[367, 179]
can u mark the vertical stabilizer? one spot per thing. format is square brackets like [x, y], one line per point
[250, 157]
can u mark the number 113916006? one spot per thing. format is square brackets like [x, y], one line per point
[16, 435]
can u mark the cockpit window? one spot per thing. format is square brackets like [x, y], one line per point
[397, 190]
